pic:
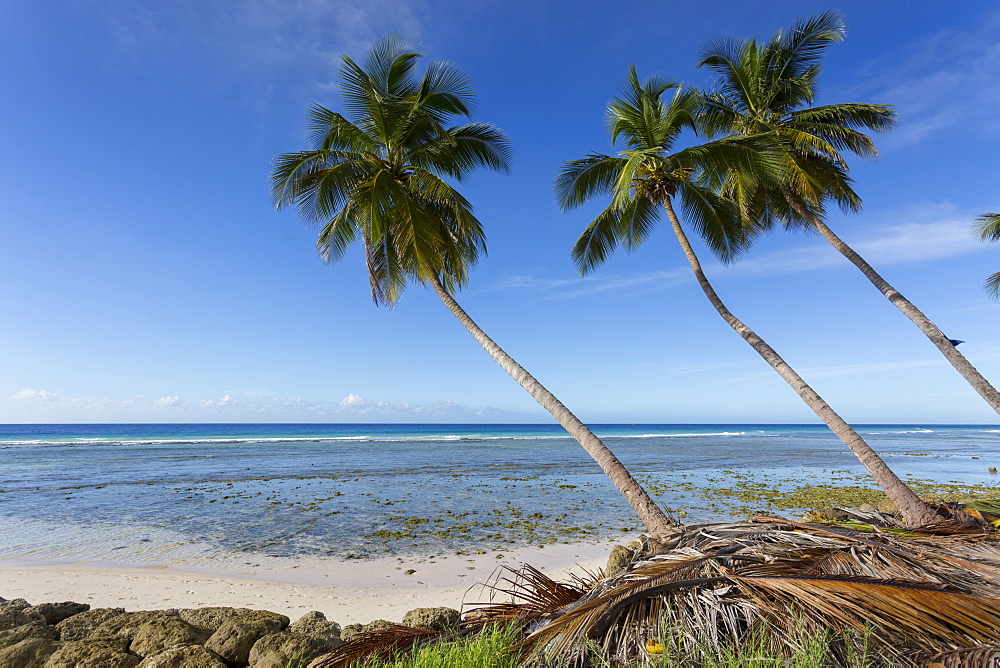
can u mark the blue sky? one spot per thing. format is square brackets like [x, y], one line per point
[147, 278]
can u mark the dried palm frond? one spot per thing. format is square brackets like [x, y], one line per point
[718, 585]
[377, 645]
[528, 594]
[967, 657]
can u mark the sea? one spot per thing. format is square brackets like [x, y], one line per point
[210, 495]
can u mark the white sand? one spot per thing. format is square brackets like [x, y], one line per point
[347, 592]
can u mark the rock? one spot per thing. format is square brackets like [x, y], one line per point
[80, 626]
[234, 639]
[18, 612]
[160, 633]
[352, 630]
[210, 619]
[316, 624]
[93, 653]
[18, 603]
[28, 653]
[184, 656]
[278, 649]
[435, 619]
[16, 635]
[887, 506]
[127, 625]
[619, 560]
[56, 612]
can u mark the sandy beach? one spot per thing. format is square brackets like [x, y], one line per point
[352, 591]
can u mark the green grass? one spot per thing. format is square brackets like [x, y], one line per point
[491, 649]
[494, 649]
[808, 650]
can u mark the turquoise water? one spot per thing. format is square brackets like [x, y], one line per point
[191, 494]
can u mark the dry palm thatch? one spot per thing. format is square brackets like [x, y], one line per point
[764, 584]
[717, 585]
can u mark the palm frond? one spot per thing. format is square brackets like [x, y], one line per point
[987, 226]
[381, 645]
[628, 225]
[582, 180]
[719, 585]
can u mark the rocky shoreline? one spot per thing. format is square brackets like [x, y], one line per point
[66, 635]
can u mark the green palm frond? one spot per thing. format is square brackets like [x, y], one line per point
[581, 180]
[459, 150]
[445, 91]
[992, 285]
[987, 226]
[649, 172]
[764, 89]
[716, 220]
[628, 225]
[375, 176]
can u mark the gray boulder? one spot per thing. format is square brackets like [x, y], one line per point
[93, 653]
[21, 633]
[316, 624]
[234, 639]
[127, 625]
[56, 612]
[28, 653]
[619, 560]
[184, 656]
[160, 633]
[210, 619]
[278, 649]
[435, 619]
[18, 612]
[352, 630]
[81, 625]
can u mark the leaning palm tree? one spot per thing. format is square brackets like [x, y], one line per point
[377, 177]
[988, 228]
[645, 177]
[764, 90]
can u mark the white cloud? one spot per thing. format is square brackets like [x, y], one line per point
[595, 284]
[28, 394]
[254, 36]
[164, 402]
[351, 407]
[946, 234]
[948, 79]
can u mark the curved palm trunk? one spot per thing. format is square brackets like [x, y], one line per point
[656, 522]
[915, 512]
[940, 341]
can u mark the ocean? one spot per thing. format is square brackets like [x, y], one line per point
[208, 495]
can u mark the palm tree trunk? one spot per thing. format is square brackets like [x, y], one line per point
[940, 341]
[915, 512]
[656, 522]
[937, 337]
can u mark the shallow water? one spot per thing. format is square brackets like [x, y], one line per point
[204, 494]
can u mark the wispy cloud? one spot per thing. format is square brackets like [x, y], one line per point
[259, 37]
[560, 288]
[945, 80]
[259, 406]
[930, 231]
[840, 370]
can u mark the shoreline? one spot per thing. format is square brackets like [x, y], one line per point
[346, 591]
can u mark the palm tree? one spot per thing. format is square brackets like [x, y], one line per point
[646, 176]
[988, 227]
[377, 178]
[763, 91]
